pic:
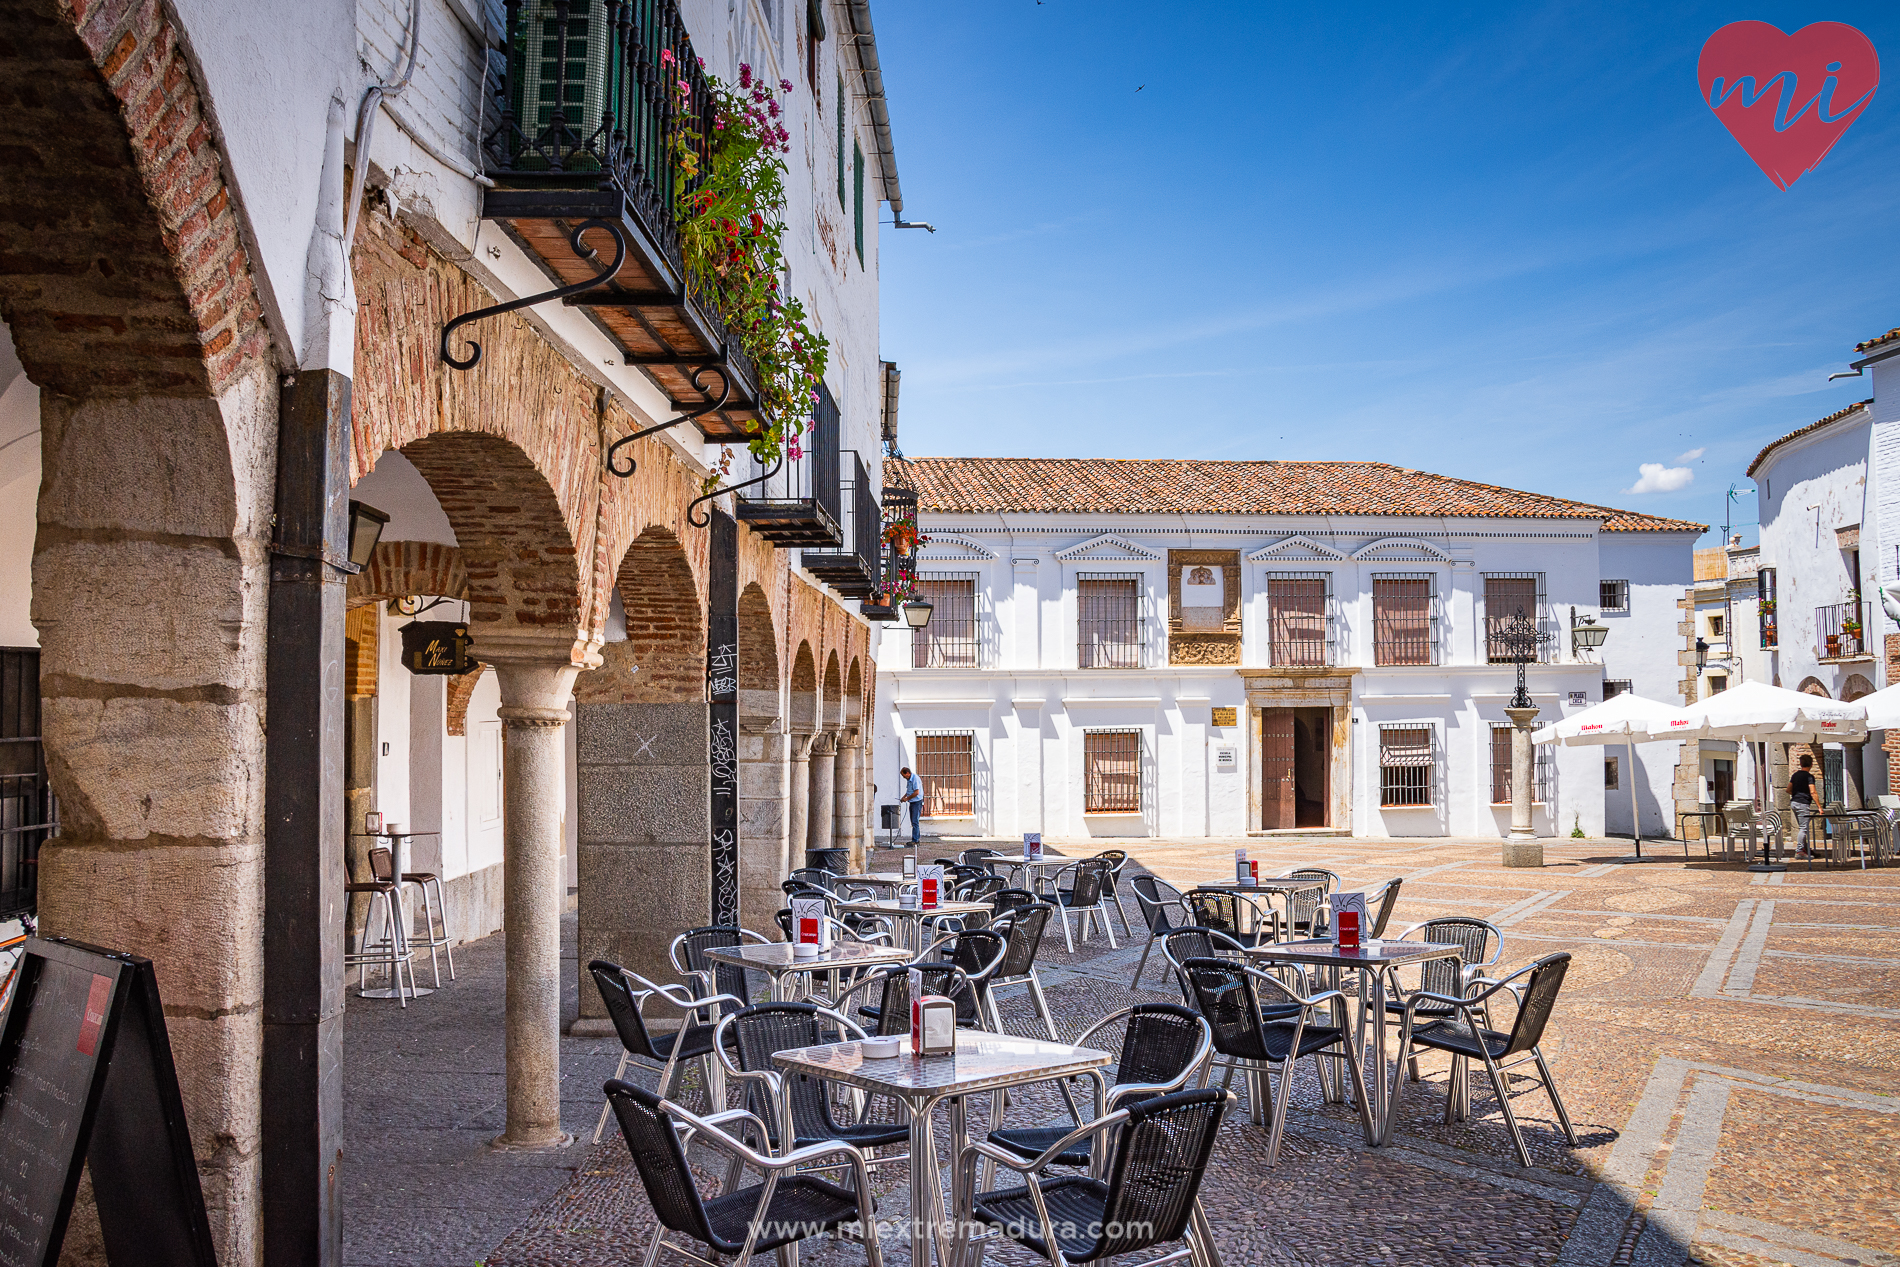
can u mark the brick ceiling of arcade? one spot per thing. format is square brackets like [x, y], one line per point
[121, 269]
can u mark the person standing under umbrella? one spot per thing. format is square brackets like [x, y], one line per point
[1801, 796]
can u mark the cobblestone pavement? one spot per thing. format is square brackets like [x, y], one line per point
[1725, 1044]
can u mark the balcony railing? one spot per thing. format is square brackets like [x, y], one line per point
[584, 113]
[800, 505]
[29, 813]
[852, 569]
[1840, 631]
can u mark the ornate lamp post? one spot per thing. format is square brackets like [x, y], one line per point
[1520, 639]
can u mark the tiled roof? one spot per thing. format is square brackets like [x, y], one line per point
[1816, 425]
[1877, 340]
[1169, 486]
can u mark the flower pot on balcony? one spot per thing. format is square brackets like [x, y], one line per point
[1833, 645]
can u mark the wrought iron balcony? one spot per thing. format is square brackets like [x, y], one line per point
[1840, 632]
[799, 503]
[580, 164]
[853, 568]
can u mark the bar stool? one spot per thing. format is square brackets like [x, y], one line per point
[435, 921]
[391, 950]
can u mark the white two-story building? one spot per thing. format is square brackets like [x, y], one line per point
[1186, 648]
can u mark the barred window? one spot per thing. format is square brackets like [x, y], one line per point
[1111, 769]
[1108, 621]
[1402, 619]
[1613, 596]
[1504, 597]
[1296, 613]
[1541, 767]
[949, 640]
[1615, 686]
[944, 766]
[1406, 764]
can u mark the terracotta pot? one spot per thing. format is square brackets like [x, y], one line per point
[1833, 644]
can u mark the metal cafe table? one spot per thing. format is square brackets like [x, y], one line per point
[1021, 864]
[1282, 886]
[399, 865]
[982, 1062]
[1372, 960]
[909, 920]
[776, 960]
[881, 879]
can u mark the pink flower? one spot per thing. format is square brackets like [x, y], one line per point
[771, 108]
[666, 57]
[745, 75]
[793, 450]
[784, 85]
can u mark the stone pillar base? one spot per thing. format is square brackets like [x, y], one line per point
[1523, 853]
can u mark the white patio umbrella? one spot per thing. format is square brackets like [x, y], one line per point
[1883, 708]
[1621, 719]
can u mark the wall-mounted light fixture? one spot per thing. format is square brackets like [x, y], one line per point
[1587, 635]
[917, 613]
[366, 529]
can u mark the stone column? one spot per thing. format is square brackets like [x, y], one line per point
[823, 804]
[848, 780]
[534, 698]
[1523, 849]
[764, 846]
[798, 805]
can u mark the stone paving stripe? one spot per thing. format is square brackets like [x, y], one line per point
[1588, 939]
[1780, 1255]
[1498, 916]
[1709, 984]
[1591, 873]
[1848, 928]
[1820, 1005]
[1741, 978]
[1599, 1230]
[1880, 1103]
[1543, 902]
[1742, 1228]
[1672, 1216]
[1443, 866]
[1803, 954]
[1638, 915]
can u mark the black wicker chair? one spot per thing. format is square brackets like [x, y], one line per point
[709, 976]
[1024, 926]
[891, 1013]
[1303, 915]
[1479, 944]
[1226, 911]
[1087, 896]
[1466, 1039]
[1009, 899]
[1163, 1048]
[802, 1106]
[981, 889]
[626, 995]
[1151, 1195]
[1153, 898]
[1258, 1042]
[1178, 945]
[786, 1207]
[1117, 860]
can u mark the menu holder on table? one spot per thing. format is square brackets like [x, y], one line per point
[929, 888]
[811, 931]
[1032, 846]
[1349, 920]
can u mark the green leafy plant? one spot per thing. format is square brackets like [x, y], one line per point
[729, 203]
[1577, 830]
[902, 536]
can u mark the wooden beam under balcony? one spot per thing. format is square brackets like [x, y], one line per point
[644, 308]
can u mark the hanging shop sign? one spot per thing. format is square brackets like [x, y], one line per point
[436, 648]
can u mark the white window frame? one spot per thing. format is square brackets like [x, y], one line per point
[1434, 778]
[1618, 609]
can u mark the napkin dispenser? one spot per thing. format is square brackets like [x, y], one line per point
[933, 1025]
[811, 931]
[930, 882]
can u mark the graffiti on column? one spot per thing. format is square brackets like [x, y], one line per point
[722, 694]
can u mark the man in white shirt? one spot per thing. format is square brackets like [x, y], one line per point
[914, 797]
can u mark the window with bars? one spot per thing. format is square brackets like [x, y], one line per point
[1613, 596]
[1541, 767]
[1407, 761]
[1403, 619]
[1111, 771]
[945, 767]
[949, 640]
[1297, 619]
[1615, 686]
[1108, 621]
[1505, 595]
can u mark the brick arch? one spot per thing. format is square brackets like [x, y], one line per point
[832, 705]
[663, 660]
[854, 694]
[804, 695]
[1855, 687]
[1813, 686]
[758, 656]
[410, 567]
[122, 272]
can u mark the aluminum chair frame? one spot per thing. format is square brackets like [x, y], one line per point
[392, 948]
[1316, 918]
[689, 1006]
[709, 1130]
[1265, 917]
[1016, 923]
[1085, 915]
[1154, 913]
[1213, 935]
[1112, 886]
[1469, 970]
[435, 912]
[706, 976]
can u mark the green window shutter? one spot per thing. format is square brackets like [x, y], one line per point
[842, 204]
[857, 196]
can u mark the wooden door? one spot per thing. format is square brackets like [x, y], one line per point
[1277, 803]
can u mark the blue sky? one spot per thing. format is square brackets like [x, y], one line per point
[1504, 242]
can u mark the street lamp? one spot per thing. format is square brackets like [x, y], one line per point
[917, 613]
[1701, 655]
[366, 528]
[1520, 639]
[1588, 635]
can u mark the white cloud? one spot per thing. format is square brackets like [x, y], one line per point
[1691, 455]
[1657, 478]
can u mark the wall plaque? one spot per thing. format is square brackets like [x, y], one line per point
[1226, 717]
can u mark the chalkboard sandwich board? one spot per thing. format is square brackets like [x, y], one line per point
[86, 1076]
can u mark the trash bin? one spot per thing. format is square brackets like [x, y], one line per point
[836, 861]
[890, 817]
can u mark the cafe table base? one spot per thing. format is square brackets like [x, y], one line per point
[399, 916]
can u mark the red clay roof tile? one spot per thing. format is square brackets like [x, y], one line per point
[1816, 425]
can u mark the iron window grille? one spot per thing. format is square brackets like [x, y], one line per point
[949, 641]
[1408, 762]
[29, 812]
[1505, 593]
[1613, 596]
[1299, 619]
[1765, 605]
[946, 767]
[1111, 765]
[1840, 630]
[1404, 618]
[1108, 620]
[1615, 686]
[1542, 767]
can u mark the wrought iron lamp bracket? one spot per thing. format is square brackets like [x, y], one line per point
[700, 522]
[581, 251]
[712, 406]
